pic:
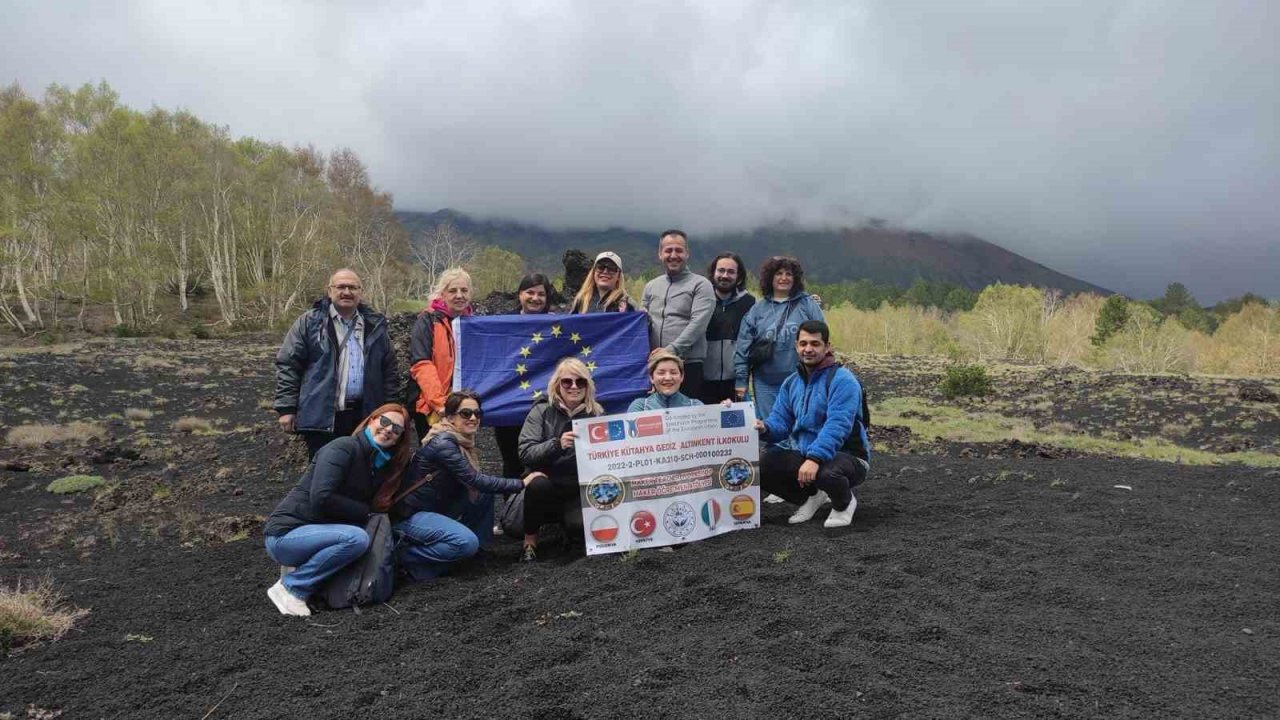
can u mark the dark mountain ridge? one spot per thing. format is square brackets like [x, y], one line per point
[874, 252]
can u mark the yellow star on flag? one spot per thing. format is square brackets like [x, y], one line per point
[521, 369]
[524, 352]
[575, 337]
[555, 331]
[586, 351]
[537, 394]
[524, 384]
[537, 338]
[591, 366]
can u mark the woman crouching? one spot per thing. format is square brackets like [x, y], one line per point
[449, 516]
[318, 528]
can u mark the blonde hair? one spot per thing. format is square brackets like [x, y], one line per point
[665, 355]
[582, 300]
[447, 278]
[572, 366]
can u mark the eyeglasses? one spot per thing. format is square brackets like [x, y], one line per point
[568, 383]
[469, 414]
[607, 269]
[386, 422]
[345, 288]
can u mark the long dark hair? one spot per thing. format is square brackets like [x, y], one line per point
[401, 452]
[771, 268]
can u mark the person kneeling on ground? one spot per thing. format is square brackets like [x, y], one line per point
[448, 516]
[823, 451]
[666, 372]
[318, 528]
[547, 445]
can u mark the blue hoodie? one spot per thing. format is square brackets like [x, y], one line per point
[816, 417]
[761, 322]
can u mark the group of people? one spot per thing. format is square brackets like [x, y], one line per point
[712, 342]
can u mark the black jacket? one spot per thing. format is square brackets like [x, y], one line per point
[338, 487]
[451, 475]
[722, 334]
[540, 440]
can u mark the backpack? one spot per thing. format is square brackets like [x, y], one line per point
[511, 516]
[853, 443]
[370, 579]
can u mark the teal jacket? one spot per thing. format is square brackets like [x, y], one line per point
[658, 401]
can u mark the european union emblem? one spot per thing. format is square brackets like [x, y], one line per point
[617, 430]
[508, 359]
[733, 419]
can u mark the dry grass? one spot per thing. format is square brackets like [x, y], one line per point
[138, 414]
[32, 614]
[192, 425]
[34, 435]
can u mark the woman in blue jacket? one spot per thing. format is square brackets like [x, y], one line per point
[783, 306]
[448, 513]
[318, 528]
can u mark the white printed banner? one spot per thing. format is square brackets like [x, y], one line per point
[664, 477]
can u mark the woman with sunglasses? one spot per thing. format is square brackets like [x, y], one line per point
[604, 289]
[547, 445]
[318, 528]
[783, 306]
[447, 514]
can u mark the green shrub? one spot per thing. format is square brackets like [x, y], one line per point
[200, 331]
[74, 484]
[965, 380]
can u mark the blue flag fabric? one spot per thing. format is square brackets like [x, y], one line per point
[508, 359]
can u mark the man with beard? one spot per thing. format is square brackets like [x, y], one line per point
[819, 425]
[679, 303]
[335, 365]
[728, 277]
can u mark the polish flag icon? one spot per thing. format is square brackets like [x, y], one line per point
[643, 524]
[604, 529]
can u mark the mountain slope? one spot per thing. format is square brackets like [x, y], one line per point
[884, 255]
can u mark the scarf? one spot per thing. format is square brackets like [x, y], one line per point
[380, 457]
[442, 307]
[466, 443]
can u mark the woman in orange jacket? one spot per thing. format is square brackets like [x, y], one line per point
[431, 346]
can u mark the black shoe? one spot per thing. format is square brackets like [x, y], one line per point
[530, 554]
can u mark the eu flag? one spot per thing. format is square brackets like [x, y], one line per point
[508, 359]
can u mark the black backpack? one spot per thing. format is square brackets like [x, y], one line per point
[370, 579]
[853, 444]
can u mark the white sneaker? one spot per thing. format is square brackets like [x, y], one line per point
[809, 508]
[772, 499]
[841, 518]
[286, 602]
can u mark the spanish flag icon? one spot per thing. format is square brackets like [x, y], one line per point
[742, 507]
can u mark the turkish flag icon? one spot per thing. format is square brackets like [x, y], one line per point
[598, 432]
[643, 524]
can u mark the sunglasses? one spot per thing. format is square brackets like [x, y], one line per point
[567, 383]
[386, 422]
[469, 414]
[609, 269]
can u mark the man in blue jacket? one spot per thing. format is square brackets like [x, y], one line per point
[822, 449]
[335, 365]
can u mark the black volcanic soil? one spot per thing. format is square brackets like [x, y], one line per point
[1020, 586]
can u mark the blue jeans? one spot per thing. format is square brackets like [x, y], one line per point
[427, 543]
[316, 552]
[765, 395]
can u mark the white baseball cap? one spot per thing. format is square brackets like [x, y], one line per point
[606, 255]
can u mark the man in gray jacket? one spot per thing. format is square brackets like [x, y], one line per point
[680, 304]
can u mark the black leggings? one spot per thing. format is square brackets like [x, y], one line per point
[780, 470]
[508, 438]
[553, 500]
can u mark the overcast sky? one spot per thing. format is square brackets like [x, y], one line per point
[1130, 144]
